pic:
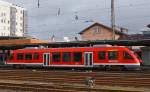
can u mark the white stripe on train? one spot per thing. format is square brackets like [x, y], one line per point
[80, 65]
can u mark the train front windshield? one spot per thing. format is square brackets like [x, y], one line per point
[138, 56]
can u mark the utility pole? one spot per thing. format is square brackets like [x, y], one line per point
[38, 3]
[113, 19]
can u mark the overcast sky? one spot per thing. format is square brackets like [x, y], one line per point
[43, 22]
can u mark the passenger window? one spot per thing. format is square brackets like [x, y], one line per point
[1, 58]
[113, 55]
[11, 56]
[56, 57]
[20, 56]
[66, 57]
[36, 56]
[126, 55]
[101, 55]
[28, 56]
[77, 56]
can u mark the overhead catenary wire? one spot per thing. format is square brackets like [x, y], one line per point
[121, 6]
[90, 10]
[102, 9]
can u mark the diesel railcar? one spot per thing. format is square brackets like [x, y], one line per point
[75, 57]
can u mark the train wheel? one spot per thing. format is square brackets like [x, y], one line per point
[122, 68]
[15, 66]
[115, 68]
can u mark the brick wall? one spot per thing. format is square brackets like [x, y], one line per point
[98, 33]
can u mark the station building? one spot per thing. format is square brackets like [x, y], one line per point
[99, 31]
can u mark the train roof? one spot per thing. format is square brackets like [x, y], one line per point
[12, 46]
[71, 48]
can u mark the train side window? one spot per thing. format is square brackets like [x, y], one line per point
[113, 55]
[126, 55]
[101, 55]
[56, 57]
[66, 56]
[11, 56]
[20, 56]
[77, 56]
[28, 56]
[36, 56]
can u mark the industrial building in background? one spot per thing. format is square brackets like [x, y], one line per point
[13, 20]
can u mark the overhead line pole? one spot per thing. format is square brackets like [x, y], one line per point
[113, 19]
[38, 3]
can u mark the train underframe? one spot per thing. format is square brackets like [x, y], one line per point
[98, 67]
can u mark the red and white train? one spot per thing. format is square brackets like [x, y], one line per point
[75, 57]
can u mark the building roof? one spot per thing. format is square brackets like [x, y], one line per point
[11, 37]
[137, 37]
[21, 41]
[116, 31]
[33, 43]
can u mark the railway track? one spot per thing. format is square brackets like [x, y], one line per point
[72, 81]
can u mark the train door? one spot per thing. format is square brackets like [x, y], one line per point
[88, 59]
[46, 59]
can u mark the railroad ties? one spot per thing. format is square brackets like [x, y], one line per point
[75, 81]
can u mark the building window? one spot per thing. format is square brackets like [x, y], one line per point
[96, 30]
[101, 55]
[20, 56]
[8, 21]
[1, 20]
[21, 18]
[77, 56]
[66, 57]
[4, 21]
[126, 55]
[11, 56]
[113, 55]
[36, 56]
[56, 57]
[28, 56]
[21, 24]
[2, 14]
[21, 11]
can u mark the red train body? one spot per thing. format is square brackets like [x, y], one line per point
[75, 57]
